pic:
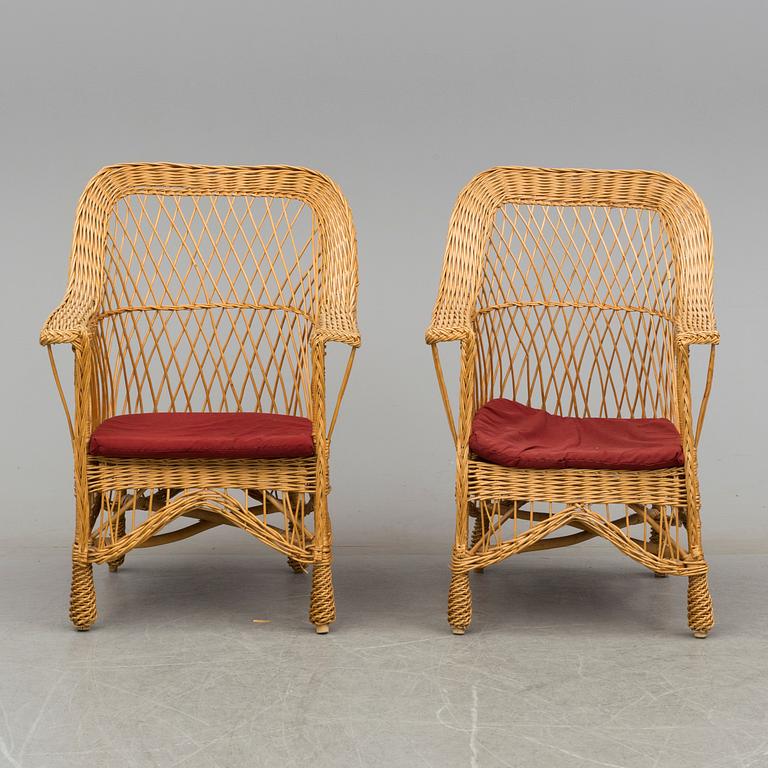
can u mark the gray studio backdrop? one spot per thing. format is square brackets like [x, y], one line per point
[401, 103]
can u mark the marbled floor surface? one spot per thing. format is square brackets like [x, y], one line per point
[573, 659]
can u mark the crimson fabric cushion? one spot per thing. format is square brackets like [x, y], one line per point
[203, 436]
[515, 435]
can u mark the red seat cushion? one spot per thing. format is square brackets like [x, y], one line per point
[514, 435]
[203, 436]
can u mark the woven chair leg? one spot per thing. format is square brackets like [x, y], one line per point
[117, 562]
[701, 617]
[82, 601]
[322, 607]
[459, 603]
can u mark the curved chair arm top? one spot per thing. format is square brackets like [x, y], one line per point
[683, 213]
[698, 336]
[336, 319]
[336, 313]
[68, 323]
[463, 263]
[337, 327]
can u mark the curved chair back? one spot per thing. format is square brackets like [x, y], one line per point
[208, 282]
[580, 282]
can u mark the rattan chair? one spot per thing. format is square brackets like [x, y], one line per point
[199, 305]
[576, 295]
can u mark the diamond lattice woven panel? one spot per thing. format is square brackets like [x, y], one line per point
[241, 274]
[575, 310]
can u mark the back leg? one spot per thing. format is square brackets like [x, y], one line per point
[118, 561]
[294, 565]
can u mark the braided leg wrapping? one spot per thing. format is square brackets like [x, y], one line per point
[82, 601]
[701, 617]
[459, 602]
[322, 607]
[117, 562]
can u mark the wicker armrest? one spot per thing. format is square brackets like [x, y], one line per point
[336, 319]
[453, 312]
[439, 332]
[337, 326]
[687, 336]
[463, 263]
[69, 321]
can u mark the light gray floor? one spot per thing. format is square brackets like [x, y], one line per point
[575, 658]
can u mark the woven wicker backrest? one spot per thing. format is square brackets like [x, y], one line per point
[575, 310]
[583, 279]
[208, 283]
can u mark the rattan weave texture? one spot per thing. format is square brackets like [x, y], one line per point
[205, 288]
[578, 291]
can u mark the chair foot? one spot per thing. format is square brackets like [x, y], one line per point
[459, 603]
[115, 564]
[82, 601]
[479, 570]
[701, 616]
[660, 575]
[296, 566]
[322, 629]
[322, 606]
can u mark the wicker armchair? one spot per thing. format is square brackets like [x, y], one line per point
[199, 304]
[575, 296]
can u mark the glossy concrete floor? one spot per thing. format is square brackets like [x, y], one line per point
[575, 658]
